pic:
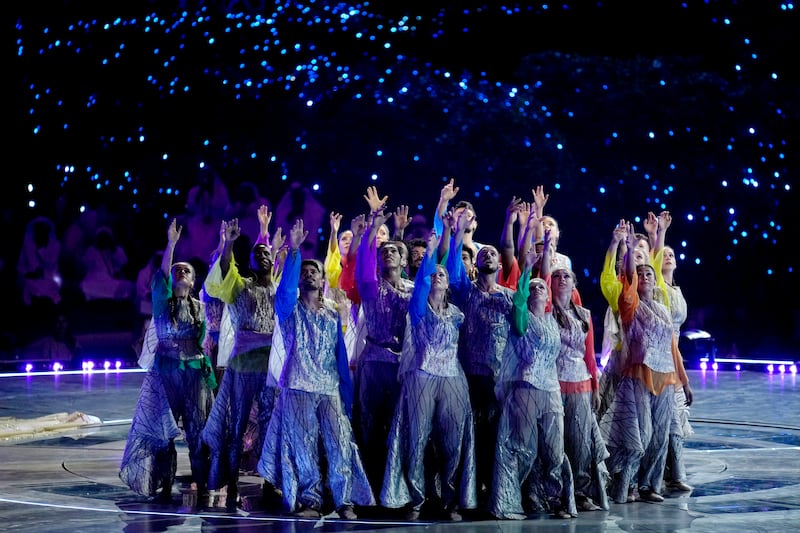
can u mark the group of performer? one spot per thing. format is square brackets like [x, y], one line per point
[417, 375]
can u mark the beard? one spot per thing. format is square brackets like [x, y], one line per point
[486, 269]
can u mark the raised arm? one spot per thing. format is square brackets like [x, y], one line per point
[526, 241]
[546, 262]
[448, 223]
[358, 226]
[264, 218]
[401, 221]
[375, 202]
[286, 295]
[232, 232]
[333, 257]
[277, 243]
[630, 243]
[447, 193]
[540, 200]
[664, 221]
[173, 234]
[610, 285]
[422, 283]
[377, 219]
[507, 248]
[651, 228]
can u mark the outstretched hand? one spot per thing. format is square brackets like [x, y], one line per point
[297, 235]
[433, 243]
[232, 230]
[174, 231]
[264, 217]
[449, 191]
[375, 202]
[336, 221]
[401, 218]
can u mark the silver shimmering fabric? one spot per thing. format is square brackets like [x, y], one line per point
[431, 344]
[648, 338]
[570, 363]
[174, 391]
[677, 307]
[532, 357]
[311, 338]
[485, 330]
[291, 459]
[530, 462]
[310, 407]
[437, 407]
[434, 402]
[253, 312]
[386, 321]
[585, 448]
[635, 429]
[384, 307]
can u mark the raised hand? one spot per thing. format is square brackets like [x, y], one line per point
[620, 232]
[277, 241]
[540, 198]
[463, 221]
[449, 219]
[174, 231]
[449, 191]
[532, 218]
[336, 221]
[630, 236]
[401, 218]
[375, 202]
[232, 230]
[379, 218]
[264, 217]
[651, 223]
[513, 209]
[358, 226]
[664, 220]
[297, 234]
[433, 243]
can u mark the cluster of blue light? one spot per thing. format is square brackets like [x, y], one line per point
[123, 106]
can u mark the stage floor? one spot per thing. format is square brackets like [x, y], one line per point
[743, 462]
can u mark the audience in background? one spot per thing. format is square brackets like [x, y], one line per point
[104, 262]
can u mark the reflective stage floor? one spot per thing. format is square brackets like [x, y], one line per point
[743, 462]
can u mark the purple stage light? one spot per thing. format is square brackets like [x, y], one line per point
[28, 367]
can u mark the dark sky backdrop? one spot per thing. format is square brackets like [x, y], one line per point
[617, 108]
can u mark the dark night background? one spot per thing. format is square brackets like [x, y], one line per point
[617, 108]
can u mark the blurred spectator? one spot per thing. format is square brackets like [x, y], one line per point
[37, 268]
[78, 234]
[209, 198]
[246, 200]
[104, 261]
[206, 205]
[143, 299]
[60, 344]
[298, 202]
